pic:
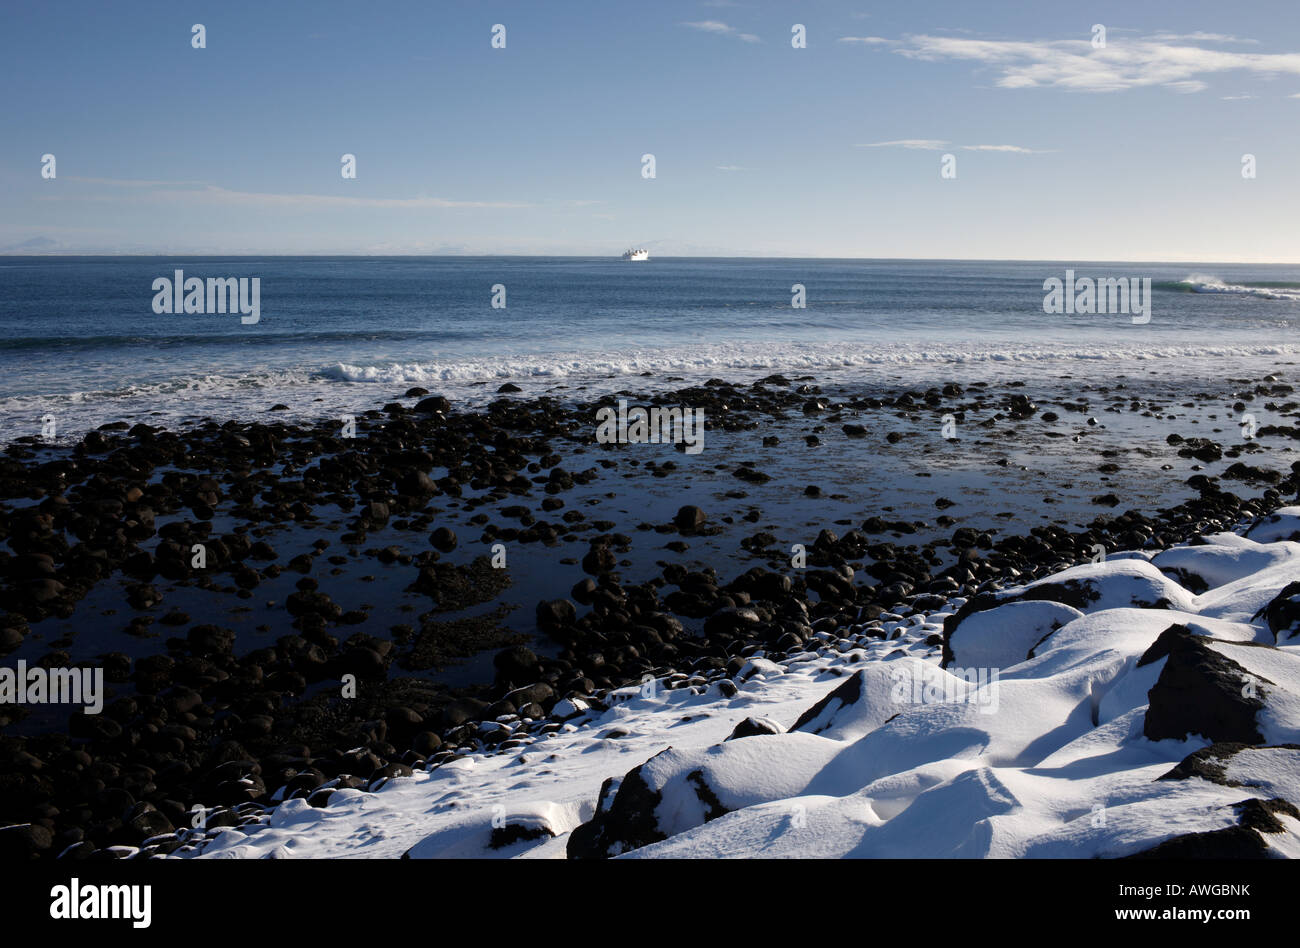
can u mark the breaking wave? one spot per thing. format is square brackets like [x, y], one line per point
[1205, 283]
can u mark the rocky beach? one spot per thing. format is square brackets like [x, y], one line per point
[290, 614]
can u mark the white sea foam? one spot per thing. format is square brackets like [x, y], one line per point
[345, 388]
[772, 356]
[1206, 283]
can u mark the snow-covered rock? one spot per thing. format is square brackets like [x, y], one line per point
[1224, 559]
[1005, 635]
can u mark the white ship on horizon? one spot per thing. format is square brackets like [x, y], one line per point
[639, 253]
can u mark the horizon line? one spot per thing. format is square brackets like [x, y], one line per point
[535, 256]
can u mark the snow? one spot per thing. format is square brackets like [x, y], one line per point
[1281, 524]
[1225, 560]
[1004, 636]
[1274, 771]
[881, 752]
[1117, 582]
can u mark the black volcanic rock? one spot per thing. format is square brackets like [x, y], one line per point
[435, 404]
[1243, 841]
[553, 613]
[1211, 763]
[625, 822]
[599, 559]
[443, 539]
[516, 663]
[1283, 612]
[751, 727]
[1200, 692]
[689, 518]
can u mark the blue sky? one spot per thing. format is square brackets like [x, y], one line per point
[1063, 150]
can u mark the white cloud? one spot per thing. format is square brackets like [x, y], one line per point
[1016, 149]
[730, 168]
[1122, 64]
[926, 144]
[711, 26]
[719, 28]
[867, 40]
[936, 144]
[1200, 37]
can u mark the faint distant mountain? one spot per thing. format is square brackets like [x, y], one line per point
[34, 245]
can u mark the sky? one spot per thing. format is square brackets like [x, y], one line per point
[1063, 149]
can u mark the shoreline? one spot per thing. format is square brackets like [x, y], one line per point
[244, 712]
[329, 389]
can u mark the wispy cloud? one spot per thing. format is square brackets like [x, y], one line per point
[1234, 98]
[927, 144]
[868, 40]
[1200, 37]
[133, 183]
[182, 192]
[731, 168]
[1171, 61]
[936, 144]
[1014, 149]
[308, 201]
[721, 29]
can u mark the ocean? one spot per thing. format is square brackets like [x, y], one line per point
[82, 342]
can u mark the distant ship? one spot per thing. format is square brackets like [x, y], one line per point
[639, 253]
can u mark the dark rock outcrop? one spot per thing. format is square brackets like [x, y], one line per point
[1200, 692]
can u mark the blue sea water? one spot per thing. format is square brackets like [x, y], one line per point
[81, 341]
